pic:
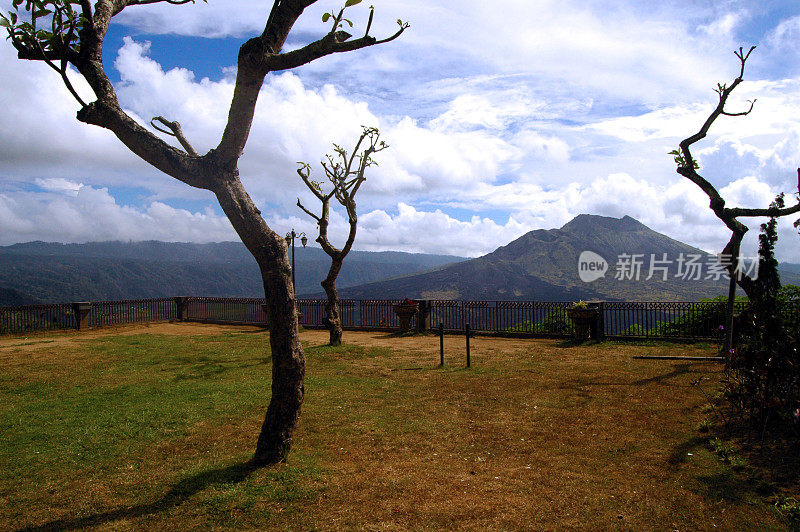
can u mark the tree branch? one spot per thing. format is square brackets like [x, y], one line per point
[687, 167]
[172, 161]
[724, 92]
[307, 211]
[174, 131]
[173, 2]
[332, 43]
[343, 190]
[305, 174]
[261, 55]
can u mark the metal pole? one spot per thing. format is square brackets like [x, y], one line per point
[466, 329]
[729, 315]
[441, 344]
[294, 286]
[732, 298]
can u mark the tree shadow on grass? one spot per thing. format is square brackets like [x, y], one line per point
[566, 343]
[208, 369]
[723, 484]
[729, 486]
[768, 469]
[677, 371]
[179, 493]
[680, 452]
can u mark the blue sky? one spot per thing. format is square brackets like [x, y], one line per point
[502, 117]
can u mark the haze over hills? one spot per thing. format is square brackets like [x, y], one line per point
[40, 272]
[542, 265]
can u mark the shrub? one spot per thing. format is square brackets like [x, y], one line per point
[764, 375]
[556, 322]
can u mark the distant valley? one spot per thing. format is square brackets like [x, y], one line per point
[540, 265]
[40, 272]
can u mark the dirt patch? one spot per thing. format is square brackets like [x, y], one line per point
[454, 345]
[50, 340]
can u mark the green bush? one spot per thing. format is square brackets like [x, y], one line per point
[764, 375]
[556, 322]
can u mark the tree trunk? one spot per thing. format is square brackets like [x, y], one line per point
[334, 321]
[288, 371]
[288, 361]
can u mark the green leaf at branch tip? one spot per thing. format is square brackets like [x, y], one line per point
[351, 3]
[326, 17]
[680, 160]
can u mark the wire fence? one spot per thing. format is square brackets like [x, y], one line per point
[646, 320]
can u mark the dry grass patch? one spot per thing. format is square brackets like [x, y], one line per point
[156, 431]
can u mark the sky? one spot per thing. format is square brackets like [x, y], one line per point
[502, 117]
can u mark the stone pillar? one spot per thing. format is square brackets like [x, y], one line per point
[597, 329]
[423, 315]
[181, 306]
[81, 310]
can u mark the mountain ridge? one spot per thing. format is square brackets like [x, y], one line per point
[539, 265]
[54, 272]
[542, 265]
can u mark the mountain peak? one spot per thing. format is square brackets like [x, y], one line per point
[589, 223]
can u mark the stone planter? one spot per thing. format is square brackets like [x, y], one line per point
[583, 319]
[405, 312]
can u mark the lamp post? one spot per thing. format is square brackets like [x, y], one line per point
[290, 237]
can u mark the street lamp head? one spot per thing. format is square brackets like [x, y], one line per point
[304, 240]
[289, 239]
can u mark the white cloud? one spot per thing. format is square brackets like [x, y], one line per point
[88, 214]
[722, 28]
[468, 111]
[502, 117]
[784, 35]
[415, 230]
[59, 184]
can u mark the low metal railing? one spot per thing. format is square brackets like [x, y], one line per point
[529, 317]
[29, 318]
[698, 320]
[104, 313]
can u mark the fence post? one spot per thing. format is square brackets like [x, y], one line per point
[466, 330]
[441, 343]
[597, 329]
[180, 305]
[81, 310]
[423, 315]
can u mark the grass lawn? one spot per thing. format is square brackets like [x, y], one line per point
[151, 427]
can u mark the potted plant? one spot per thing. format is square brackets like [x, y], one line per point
[405, 310]
[583, 317]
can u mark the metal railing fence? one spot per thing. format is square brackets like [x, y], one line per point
[698, 320]
[530, 317]
[30, 318]
[105, 313]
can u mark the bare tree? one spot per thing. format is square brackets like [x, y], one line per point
[346, 174]
[688, 167]
[71, 32]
